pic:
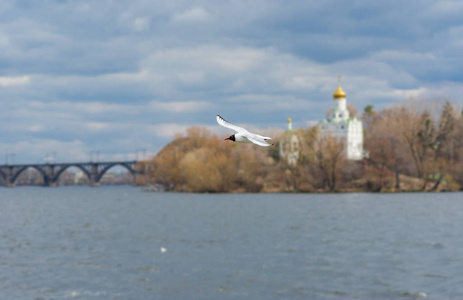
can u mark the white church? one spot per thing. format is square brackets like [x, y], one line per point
[349, 130]
[290, 146]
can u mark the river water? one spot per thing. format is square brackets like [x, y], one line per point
[122, 243]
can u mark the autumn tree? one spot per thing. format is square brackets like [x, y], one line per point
[208, 169]
[426, 149]
[388, 155]
[201, 162]
[447, 141]
[457, 154]
[368, 116]
[408, 148]
[403, 134]
[417, 129]
[446, 134]
[329, 158]
[165, 167]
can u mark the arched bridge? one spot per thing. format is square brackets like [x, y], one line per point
[51, 172]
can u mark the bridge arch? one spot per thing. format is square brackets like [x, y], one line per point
[64, 168]
[109, 166]
[24, 168]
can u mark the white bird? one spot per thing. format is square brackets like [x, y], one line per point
[242, 135]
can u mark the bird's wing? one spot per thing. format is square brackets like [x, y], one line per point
[260, 142]
[258, 139]
[229, 125]
[261, 137]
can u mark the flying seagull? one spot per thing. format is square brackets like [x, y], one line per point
[242, 135]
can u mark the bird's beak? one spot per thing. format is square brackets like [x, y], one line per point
[227, 138]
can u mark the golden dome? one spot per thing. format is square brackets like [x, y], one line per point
[339, 93]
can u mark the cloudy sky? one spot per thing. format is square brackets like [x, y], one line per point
[116, 77]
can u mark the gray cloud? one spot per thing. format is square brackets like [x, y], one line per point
[117, 76]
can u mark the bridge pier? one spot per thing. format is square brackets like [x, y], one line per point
[94, 170]
[46, 180]
[8, 173]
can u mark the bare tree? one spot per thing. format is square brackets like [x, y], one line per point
[329, 158]
[383, 141]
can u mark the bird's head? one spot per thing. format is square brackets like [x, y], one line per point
[231, 137]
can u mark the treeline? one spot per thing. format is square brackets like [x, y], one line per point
[409, 149]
